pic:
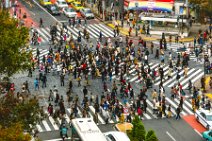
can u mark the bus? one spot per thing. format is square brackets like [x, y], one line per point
[85, 129]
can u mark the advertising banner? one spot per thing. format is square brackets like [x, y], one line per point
[154, 5]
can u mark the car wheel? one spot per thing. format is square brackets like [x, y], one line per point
[197, 119]
[207, 127]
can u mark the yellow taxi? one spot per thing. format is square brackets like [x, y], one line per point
[77, 6]
[123, 127]
[70, 1]
[45, 2]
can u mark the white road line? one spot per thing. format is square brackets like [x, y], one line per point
[173, 78]
[45, 10]
[45, 31]
[147, 116]
[184, 107]
[52, 122]
[39, 128]
[99, 116]
[174, 105]
[182, 77]
[92, 32]
[170, 136]
[59, 139]
[104, 34]
[42, 35]
[188, 104]
[198, 132]
[46, 125]
[195, 79]
[188, 78]
[106, 28]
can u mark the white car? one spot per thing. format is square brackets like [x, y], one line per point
[87, 13]
[61, 4]
[204, 117]
[116, 136]
[69, 12]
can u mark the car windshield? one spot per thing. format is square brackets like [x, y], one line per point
[111, 137]
[53, 8]
[78, 5]
[88, 11]
[209, 117]
[63, 2]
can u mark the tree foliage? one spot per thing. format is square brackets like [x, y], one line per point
[205, 5]
[138, 132]
[14, 133]
[13, 110]
[13, 39]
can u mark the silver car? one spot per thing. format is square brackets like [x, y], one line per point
[87, 13]
[70, 12]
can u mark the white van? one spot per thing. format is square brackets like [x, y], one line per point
[116, 136]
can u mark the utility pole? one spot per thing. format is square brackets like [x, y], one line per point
[103, 10]
[187, 9]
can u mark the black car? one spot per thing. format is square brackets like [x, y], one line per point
[52, 8]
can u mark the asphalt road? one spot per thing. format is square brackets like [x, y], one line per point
[172, 130]
[166, 129]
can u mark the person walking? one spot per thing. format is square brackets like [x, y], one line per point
[41, 22]
[178, 110]
[62, 77]
[51, 97]
[36, 84]
[44, 80]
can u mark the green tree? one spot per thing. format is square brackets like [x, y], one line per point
[205, 7]
[13, 39]
[14, 133]
[26, 111]
[138, 132]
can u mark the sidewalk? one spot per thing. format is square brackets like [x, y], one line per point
[124, 30]
[21, 10]
[208, 92]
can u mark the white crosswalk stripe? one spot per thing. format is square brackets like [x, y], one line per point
[179, 47]
[193, 74]
[51, 124]
[93, 29]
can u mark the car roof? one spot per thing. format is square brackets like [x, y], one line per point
[121, 136]
[207, 112]
[86, 8]
[77, 2]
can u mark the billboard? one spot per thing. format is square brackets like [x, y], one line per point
[145, 5]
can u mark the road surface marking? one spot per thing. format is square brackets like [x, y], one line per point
[198, 132]
[170, 136]
[59, 139]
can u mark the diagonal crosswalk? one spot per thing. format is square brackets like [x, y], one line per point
[51, 124]
[93, 29]
[179, 47]
[193, 73]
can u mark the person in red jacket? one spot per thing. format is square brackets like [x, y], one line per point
[140, 112]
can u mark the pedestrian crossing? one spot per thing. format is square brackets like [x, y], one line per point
[179, 48]
[93, 29]
[52, 124]
[193, 74]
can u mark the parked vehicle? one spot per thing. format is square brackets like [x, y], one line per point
[70, 12]
[87, 13]
[204, 117]
[77, 6]
[207, 135]
[52, 8]
[61, 4]
[45, 2]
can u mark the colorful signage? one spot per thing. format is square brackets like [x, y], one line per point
[145, 5]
